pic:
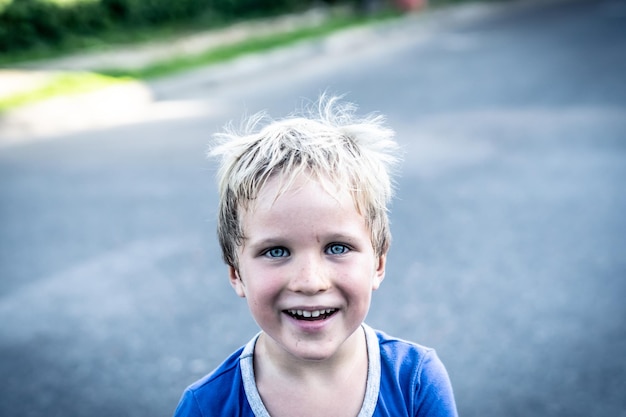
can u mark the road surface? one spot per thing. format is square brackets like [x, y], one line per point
[509, 251]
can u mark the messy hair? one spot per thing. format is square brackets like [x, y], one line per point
[326, 142]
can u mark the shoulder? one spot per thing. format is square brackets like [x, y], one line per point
[405, 356]
[393, 347]
[413, 375]
[408, 362]
[222, 386]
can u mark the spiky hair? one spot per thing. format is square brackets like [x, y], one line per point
[325, 141]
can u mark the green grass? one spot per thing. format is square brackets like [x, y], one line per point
[75, 83]
[62, 84]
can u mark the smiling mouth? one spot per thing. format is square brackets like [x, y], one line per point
[311, 315]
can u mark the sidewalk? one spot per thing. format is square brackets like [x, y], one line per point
[125, 102]
[28, 75]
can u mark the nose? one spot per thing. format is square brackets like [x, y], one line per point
[309, 275]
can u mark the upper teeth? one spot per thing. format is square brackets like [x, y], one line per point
[313, 313]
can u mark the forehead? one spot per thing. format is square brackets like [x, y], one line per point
[280, 190]
[302, 199]
[298, 186]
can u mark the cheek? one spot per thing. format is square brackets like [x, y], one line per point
[260, 284]
[358, 280]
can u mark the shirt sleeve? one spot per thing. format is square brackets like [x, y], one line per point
[433, 395]
[188, 406]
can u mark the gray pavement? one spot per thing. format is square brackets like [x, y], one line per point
[509, 234]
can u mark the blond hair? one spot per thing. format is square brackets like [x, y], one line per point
[328, 143]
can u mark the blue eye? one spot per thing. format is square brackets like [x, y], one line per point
[337, 249]
[276, 252]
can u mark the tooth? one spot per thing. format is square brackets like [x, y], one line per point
[306, 313]
[299, 312]
[315, 313]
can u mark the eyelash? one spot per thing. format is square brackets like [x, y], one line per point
[285, 252]
[268, 252]
[344, 248]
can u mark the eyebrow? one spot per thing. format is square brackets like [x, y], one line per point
[282, 241]
[270, 241]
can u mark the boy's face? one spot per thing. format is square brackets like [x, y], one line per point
[307, 269]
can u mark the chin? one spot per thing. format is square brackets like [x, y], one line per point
[312, 354]
[315, 349]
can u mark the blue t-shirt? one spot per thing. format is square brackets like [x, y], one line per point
[403, 379]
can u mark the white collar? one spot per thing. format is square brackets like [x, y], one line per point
[371, 389]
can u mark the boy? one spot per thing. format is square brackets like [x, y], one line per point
[304, 231]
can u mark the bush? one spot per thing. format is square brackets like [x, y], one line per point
[149, 12]
[254, 8]
[28, 23]
[25, 24]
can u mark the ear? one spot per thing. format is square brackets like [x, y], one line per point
[236, 282]
[379, 273]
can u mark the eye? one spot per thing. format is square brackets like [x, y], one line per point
[277, 252]
[337, 249]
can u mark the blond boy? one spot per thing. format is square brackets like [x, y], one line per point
[304, 231]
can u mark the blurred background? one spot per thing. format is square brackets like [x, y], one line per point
[509, 250]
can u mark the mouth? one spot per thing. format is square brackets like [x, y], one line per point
[311, 315]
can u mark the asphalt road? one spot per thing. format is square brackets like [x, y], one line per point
[509, 251]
